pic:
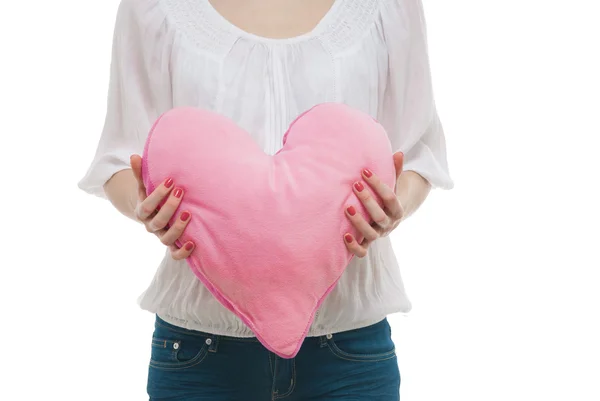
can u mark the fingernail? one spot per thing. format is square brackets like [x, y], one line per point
[348, 238]
[185, 216]
[189, 246]
[367, 173]
[351, 210]
[169, 183]
[359, 186]
[178, 193]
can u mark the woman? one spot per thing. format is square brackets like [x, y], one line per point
[262, 63]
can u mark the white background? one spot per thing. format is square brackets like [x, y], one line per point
[506, 301]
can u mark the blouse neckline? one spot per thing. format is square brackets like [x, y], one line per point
[343, 26]
[319, 28]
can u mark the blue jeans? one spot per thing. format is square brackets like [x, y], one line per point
[356, 365]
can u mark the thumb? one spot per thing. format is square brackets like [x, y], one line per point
[136, 166]
[398, 163]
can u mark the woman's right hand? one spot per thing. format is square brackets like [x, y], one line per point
[155, 220]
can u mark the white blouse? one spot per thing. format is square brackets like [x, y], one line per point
[369, 54]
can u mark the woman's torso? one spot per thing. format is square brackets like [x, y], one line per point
[263, 84]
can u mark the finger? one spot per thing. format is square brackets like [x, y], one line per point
[398, 163]
[387, 194]
[354, 247]
[146, 223]
[375, 211]
[175, 231]
[363, 226]
[149, 205]
[365, 243]
[167, 210]
[158, 233]
[183, 252]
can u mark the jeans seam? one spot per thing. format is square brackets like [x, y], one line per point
[274, 391]
[240, 339]
[292, 386]
[360, 358]
[182, 365]
[162, 343]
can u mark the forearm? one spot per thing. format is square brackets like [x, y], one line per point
[412, 190]
[121, 190]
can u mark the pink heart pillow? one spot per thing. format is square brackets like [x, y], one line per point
[268, 229]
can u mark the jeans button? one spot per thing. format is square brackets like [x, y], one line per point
[329, 336]
[208, 341]
[176, 345]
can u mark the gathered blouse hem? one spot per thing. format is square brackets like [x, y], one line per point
[245, 332]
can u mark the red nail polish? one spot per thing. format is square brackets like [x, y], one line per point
[185, 216]
[189, 246]
[367, 173]
[178, 193]
[169, 183]
[351, 210]
[359, 186]
[348, 238]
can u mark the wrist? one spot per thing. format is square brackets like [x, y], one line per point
[411, 191]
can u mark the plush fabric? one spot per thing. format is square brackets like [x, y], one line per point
[268, 229]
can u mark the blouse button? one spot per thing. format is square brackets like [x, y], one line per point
[208, 341]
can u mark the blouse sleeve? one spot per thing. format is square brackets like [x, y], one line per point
[409, 111]
[138, 90]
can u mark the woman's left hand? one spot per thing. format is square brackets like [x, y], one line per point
[385, 219]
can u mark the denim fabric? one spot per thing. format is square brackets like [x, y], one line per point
[356, 365]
